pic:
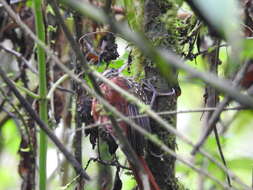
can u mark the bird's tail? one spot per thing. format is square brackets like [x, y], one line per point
[151, 179]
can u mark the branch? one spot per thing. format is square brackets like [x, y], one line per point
[212, 100]
[19, 57]
[107, 163]
[42, 125]
[56, 85]
[199, 110]
[216, 114]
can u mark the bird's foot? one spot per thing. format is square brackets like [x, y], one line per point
[148, 86]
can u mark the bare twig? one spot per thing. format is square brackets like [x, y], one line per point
[199, 110]
[56, 85]
[108, 163]
[42, 125]
[20, 57]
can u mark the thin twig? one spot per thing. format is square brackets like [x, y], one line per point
[56, 85]
[199, 110]
[71, 182]
[216, 114]
[42, 125]
[20, 57]
[107, 163]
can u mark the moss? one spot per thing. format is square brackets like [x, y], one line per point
[170, 140]
[171, 24]
[137, 60]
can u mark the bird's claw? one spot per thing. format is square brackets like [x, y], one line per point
[150, 88]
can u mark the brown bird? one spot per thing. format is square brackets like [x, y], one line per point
[247, 79]
[136, 140]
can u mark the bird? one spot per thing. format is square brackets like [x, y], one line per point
[247, 79]
[136, 140]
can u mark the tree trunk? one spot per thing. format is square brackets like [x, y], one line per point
[161, 164]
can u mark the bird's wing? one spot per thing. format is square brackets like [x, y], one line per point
[136, 139]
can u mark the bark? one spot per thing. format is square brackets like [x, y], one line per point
[80, 96]
[161, 164]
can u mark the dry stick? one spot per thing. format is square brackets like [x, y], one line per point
[216, 114]
[74, 77]
[217, 138]
[225, 125]
[10, 114]
[43, 126]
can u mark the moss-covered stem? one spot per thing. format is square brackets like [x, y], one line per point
[40, 30]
